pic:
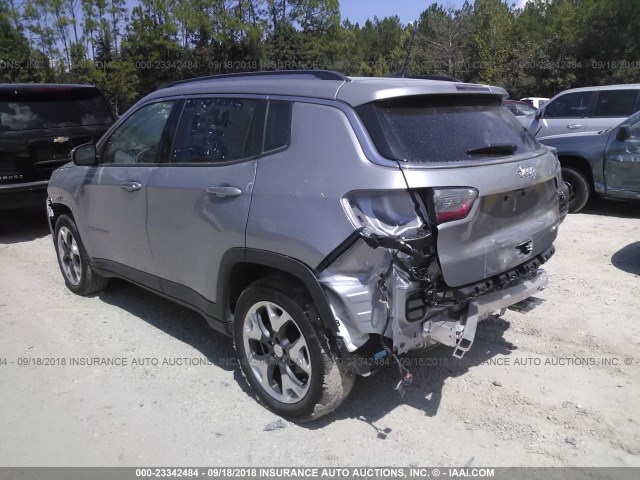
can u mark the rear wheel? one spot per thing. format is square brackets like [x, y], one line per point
[73, 259]
[284, 352]
[579, 190]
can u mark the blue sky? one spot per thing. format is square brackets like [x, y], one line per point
[407, 10]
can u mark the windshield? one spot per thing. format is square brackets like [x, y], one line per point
[445, 129]
[30, 111]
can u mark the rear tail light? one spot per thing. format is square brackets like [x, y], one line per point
[453, 203]
[384, 212]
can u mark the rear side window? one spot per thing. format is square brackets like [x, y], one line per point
[431, 129]
[278, 129]
[616, 103]
[52, 109]
[218, 130]
[571, 105]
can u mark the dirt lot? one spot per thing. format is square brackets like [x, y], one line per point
[553, 387]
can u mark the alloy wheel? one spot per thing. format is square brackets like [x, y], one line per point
[69, 254]
[277, 352]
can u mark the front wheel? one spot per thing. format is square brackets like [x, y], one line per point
[73, 259]
[284, 353]
[579, 190]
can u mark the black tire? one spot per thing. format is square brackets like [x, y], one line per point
[579, 190]
[329, 381]
[81, 280]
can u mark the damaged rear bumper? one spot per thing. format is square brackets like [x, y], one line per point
[460, 334]
[417, 314]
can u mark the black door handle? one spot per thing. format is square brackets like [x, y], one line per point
[224, 191]
[131, 186]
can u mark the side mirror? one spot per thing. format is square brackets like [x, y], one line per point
[84, 155]
[539, 113]
[624, 133]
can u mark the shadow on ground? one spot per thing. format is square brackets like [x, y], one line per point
[627, 258]
[371, 398]
[18, 226]
[612, 208]
[179, 322]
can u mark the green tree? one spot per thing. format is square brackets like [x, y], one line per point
[16, 57]
[377, 46]
[151, 44]
[610, 51]
[443, 41]
[492, 25]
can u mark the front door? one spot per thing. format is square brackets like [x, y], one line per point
[565, 114]
[115, 197]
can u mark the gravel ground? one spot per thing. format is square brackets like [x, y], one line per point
[558, 386]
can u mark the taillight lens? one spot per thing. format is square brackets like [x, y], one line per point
[453, 203]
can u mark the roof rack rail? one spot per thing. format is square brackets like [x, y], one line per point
[319, 74]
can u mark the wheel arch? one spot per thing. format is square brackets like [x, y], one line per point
[581, 164]
[242, 266]
[58, 209]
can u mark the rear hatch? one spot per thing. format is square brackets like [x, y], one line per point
[490, 189]
[40, 125]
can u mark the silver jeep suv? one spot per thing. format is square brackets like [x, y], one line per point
[327, 223]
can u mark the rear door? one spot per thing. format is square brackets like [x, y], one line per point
[565, 114]
[612, 108]
[199, 201]
[452, 145]
[114, 195]
[622, 163]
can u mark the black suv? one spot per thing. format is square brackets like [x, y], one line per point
[39, 126]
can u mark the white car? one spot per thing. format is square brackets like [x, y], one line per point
[535, 101]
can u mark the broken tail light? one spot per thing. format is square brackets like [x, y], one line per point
[389, 213]
[453, 203]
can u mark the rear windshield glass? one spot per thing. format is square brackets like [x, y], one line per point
[52, 110]
[430, 129]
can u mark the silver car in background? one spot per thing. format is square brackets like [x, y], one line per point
[605, 163]
[327, 223]
[589, 109]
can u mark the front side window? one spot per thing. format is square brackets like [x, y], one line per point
[446, 129]
[140, 138]
[218, 130]
[571, 105]
[616, 103]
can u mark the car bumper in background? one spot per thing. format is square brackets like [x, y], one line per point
[23, 195]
